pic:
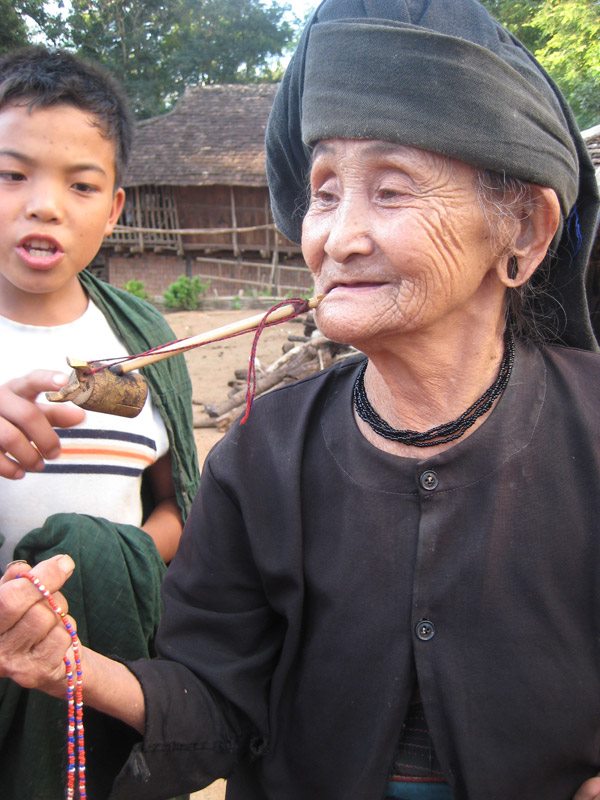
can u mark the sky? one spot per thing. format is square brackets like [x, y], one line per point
[300, 7]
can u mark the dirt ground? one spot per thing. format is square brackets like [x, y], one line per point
[211, 367]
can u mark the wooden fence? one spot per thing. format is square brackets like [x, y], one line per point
[274, 276]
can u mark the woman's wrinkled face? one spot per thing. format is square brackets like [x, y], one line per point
[396, 241]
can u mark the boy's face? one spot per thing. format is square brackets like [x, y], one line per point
[57, 201]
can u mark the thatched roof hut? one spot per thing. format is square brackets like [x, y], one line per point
[214, 136]
[197, 197]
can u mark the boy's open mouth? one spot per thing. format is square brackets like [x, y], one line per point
[40, 248]
[40, 252]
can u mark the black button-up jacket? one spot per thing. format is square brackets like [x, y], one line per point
[318, 577]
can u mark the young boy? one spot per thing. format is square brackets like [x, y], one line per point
[109, 490]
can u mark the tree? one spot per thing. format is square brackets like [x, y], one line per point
[228, 41]
[571, 52]
[128, 37]
[157, 47]
[13, 31]
[26, 22]
[564, 35]
[515, 15]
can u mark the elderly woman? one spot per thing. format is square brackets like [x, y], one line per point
[388, 586]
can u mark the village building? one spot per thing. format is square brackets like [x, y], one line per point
[198, 204]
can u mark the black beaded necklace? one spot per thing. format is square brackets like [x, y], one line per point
[449, 430]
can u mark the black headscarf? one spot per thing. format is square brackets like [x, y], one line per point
[445, 77]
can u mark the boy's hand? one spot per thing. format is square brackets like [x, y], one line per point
[590, 790]
[33, 640]
[26, 435]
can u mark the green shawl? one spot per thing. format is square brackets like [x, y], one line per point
[114, 593]
[140, 326]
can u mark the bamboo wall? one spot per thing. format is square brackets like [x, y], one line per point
[188, 219]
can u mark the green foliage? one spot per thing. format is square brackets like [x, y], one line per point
[185, 293]
[156, 49]
[228, 41]
[570, 51]
[131, 39]
[43, 20]
[564, 35]
[514, 15]
[136, 288]
[13, 30]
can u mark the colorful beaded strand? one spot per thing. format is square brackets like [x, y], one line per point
[75, 729]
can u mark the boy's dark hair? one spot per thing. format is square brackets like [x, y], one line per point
[40, 78]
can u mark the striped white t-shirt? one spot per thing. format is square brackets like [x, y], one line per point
[99, 471]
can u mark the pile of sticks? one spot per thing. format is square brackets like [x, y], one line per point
[303, 356]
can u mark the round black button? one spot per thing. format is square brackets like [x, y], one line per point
[428, 480]
[425, 630]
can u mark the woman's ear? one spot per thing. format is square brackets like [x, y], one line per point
[533, 234]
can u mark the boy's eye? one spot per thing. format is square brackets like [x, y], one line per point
[86, 188]
[11, 177]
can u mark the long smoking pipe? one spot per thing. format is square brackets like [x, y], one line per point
[115, 389]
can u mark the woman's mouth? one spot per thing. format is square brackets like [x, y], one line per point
[353, 287]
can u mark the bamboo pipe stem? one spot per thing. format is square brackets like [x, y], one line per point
[216, 334]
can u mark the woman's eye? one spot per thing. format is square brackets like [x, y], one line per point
[389, 194]
[323, 198]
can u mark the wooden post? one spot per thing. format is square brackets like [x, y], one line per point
[139, 220]
[234, 238]
[276, 262]
[175, 221]
[268, 220]
[274, 274]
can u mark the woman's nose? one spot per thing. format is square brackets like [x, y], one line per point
[349, 233]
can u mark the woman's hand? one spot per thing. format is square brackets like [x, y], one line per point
[590, 790]
[33, 640]
[26, 434]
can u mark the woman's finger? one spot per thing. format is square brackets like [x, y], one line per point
[19, 595]
[33, 639]
[590, 790]
[14, 568]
